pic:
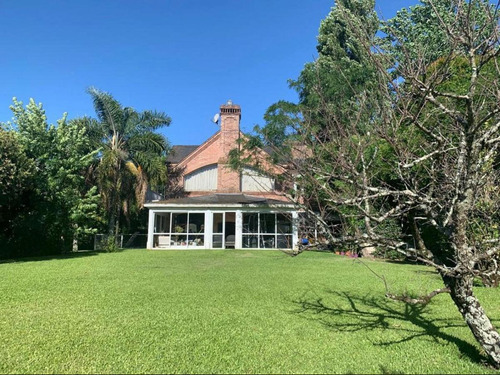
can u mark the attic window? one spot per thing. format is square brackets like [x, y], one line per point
[252, 180]
[202, 179]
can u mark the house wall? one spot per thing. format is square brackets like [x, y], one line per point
[228, 179]
[208, 153]
[215, 151]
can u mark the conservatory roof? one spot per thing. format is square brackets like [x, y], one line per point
[221, 199]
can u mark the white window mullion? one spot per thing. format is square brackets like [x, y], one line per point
[151, 228]
[275, 231]
[258, 230]
[224, 230]
[238, 230]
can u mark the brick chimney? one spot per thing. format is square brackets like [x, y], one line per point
[228, 181]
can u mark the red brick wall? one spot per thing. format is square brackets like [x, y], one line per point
[208, 153]
[228, 181]
[215, 151]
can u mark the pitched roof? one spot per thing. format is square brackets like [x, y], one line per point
[180, 152]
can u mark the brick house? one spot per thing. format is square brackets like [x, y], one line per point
[219, 207]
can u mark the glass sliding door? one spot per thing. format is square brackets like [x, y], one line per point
[267, 231]
[284, 231]
[218, 230]
[224, 230]
[196, 230]
[250, 230]
[179, 228]
[229, 230]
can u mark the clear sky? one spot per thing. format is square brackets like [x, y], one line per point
[183, 57]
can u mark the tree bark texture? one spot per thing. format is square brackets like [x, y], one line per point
[461, 291]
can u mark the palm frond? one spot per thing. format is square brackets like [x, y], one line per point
[153, 120]
[131, 155]
[132, 168]
[141, 188]
[153, 166]
[149, 142]
[108, 110]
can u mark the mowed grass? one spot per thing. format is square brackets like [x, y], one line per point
[144, 311]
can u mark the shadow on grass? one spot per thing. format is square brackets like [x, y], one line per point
[78, 254]
[374, 313]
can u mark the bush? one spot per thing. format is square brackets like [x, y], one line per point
[389, 254]
[110, 244]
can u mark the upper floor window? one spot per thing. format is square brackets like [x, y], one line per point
[252, 180]
[202, 179]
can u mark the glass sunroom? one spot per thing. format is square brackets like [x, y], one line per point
[234, 222]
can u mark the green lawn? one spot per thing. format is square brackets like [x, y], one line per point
[144, 311]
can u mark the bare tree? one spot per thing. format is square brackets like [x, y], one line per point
[446, 163]
[414, 168]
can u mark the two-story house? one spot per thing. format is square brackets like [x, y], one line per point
[221, 208]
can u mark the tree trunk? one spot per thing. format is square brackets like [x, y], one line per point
[112, 220]
[419, 241]
[113, 223]
[74, 246]
[461, 291]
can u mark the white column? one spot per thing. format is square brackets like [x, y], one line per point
[238, 244]
[209, 226]
[151, 228]
[295, 229]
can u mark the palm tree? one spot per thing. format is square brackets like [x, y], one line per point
[131, 154]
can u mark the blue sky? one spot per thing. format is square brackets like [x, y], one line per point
[183, 57]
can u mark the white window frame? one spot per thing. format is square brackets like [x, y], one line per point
[187, 233]
[259, 234]
[223, 233]
[210, 170]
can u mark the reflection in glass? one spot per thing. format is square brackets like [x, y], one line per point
[196, 223]
[250, 241]
[217, 241]
[284, 223]
[218, 221]
[284, 242]
[251, 222]
[267, 222]
[267, 241]
[179, 222]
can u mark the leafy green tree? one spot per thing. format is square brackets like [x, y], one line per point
[342, 67]
[338, 98]
[132, 156]
[50, 217]
[16, 174]
[68, 179]
[417, 35]
[16, 168]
